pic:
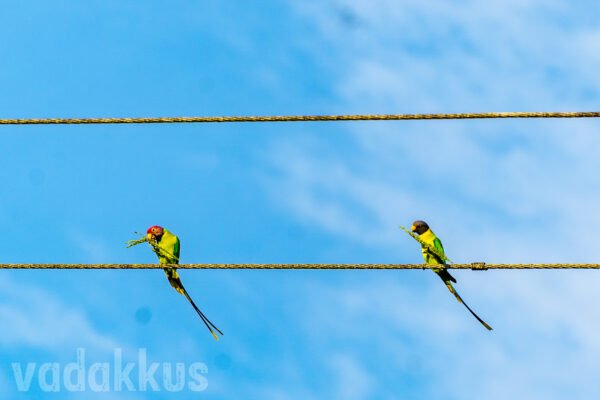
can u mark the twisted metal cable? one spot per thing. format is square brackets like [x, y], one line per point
[299, 118]
[472, 266]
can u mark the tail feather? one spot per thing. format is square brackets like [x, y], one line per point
[445, 275]
[175, 282]
[206, 321]
[460, 300]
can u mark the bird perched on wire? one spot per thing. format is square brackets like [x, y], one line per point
[433, 254]
[166, 245]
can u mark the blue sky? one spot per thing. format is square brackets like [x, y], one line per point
[494, 191]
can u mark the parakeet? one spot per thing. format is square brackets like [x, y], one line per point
[166, 246]
[433, 253]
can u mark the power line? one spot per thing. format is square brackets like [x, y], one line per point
[472, 266]
[298, 118]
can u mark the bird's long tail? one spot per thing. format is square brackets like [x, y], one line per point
[175, 281]
[460, 300]
[206, 321]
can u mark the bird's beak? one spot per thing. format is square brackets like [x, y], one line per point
[150, 236]
[413, 228]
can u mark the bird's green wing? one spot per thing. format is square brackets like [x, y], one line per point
[437, 244]
[434, 250]
[176, 250]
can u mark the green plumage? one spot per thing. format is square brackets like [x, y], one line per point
[436, 256]
[167, 248]
[433, 254]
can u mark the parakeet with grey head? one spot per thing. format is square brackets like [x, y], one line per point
[433, 253]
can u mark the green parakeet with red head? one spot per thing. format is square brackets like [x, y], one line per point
[433, 253]
[166, 245]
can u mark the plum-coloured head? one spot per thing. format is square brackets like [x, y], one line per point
[155, 232]
[419, 227]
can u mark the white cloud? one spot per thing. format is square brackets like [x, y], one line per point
[506, 190]
[541, 347]
[495, 191]
[405, 56]
[39, 320]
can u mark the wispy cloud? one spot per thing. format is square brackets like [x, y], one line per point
[512, 188]
[542, 347]
[39, 320]
[511, 191]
